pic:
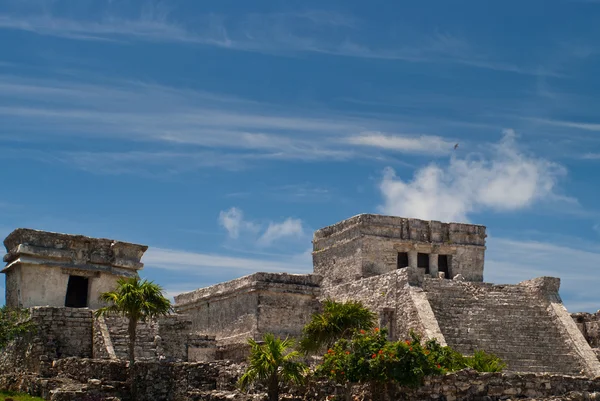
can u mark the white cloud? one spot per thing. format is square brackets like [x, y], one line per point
[276, 231]
[233, 221]
[504, 181]
[425, 144]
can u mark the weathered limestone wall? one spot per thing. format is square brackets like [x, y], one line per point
[59, 333]
[278, 303]
[526, 325]
[589, 325]
[367, 245]
[75, 379]
[400, 306]
[39, 263]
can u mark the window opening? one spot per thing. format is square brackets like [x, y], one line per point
[402, 260]
[443, 265]
[423, 261]
[77, 292]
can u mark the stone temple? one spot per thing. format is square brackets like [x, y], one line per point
[418, 275]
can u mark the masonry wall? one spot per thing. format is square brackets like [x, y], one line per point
[367, 245]
[73, 379]
[13, 284]
[38, 285]
[589, 325]
[400, 306]
[59, 333]
[247, 307]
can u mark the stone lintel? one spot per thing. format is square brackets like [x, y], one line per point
[65, 266]
[274, 282]
[25, 245]
[401, 228]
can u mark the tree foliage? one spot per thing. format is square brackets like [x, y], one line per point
[137, 300]
[14, 322]
[338, 320]
[272, 363]
[368, 357]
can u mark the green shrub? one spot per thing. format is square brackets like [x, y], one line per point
[369, 357]
[482, 361]
[452, 360]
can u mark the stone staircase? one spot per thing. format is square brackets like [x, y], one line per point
[146, 339]
[510, 321]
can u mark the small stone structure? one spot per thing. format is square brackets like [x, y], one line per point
[368, 245]
[418, 275]
[51, 269]
[277, 303]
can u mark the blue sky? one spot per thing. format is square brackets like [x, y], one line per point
[223, 133]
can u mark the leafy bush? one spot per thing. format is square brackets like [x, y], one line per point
[482, 361]
[369, 357]
[452, 360]
[338, 320]
[13, 323]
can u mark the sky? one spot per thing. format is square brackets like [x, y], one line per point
[223, 133]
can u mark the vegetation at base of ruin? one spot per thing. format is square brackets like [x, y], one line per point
[452, 360]
[13, 323]
[10, 395]
[273, 363]
[368, 357]
[338, 320]
[136, 300]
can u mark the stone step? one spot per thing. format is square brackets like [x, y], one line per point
[509, 321]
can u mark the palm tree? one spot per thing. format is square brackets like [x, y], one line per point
[271, 364]
[136, 300]
[338, 320]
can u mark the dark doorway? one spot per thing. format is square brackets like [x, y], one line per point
[443, 265]
[402, 260]
[423, 261]
[77, 292]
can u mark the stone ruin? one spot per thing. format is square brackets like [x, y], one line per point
[425, 276]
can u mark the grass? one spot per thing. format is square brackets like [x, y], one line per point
[7, 395]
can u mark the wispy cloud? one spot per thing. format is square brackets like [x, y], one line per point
[425, 144]
[200, 264]
[192, 129]
[512, 261]
[569, 124]
[281, 33]
[507, 180]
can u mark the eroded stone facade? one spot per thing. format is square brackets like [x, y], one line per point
[52, 269]
[368, 245]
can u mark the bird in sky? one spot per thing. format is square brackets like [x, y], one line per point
[456, 146]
